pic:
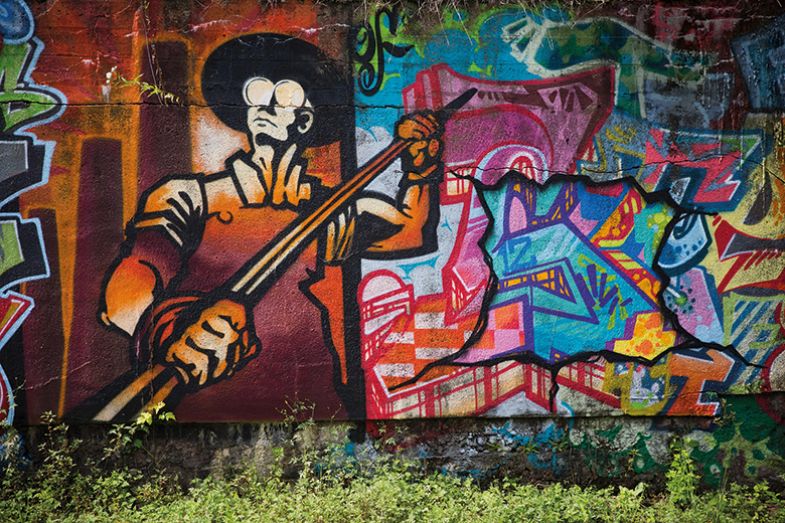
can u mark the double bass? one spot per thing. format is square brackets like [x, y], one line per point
[162, 383]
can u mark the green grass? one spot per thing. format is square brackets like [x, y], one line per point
[311, 483]
[393, 494]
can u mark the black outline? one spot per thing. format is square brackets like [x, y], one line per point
[658, 196]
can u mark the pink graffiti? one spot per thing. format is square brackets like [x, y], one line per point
[716, 185]
[537, 128]
[550, 120]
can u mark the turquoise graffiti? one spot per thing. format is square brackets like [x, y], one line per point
[610, 235]
[548, 47]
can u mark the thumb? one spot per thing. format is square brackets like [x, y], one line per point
[251, 346]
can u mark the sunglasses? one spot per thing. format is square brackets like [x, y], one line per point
[259, 91]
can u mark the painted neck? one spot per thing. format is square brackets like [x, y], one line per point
[267, 157]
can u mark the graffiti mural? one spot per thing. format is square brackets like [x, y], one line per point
[583, 188]
[506, 212]
[26, 162]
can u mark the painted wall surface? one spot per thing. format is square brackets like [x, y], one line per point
[233, 207]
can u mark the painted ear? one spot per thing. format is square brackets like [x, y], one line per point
[305, 119]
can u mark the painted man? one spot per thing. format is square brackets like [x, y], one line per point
[193, 232]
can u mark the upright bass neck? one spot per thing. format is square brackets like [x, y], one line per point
[257, 274]
[255, 277]
[160, 382]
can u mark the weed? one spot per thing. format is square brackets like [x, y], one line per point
[145, 89]
[682, 479]
[124, 437]
[329, 486]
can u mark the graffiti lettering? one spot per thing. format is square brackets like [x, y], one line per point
[372, 47]
[508, 212]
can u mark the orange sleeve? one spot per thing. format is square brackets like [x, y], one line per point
[159, 239]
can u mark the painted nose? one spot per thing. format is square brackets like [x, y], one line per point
[269, 109]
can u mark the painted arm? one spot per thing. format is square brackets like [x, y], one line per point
[412, 216]
[159, 238]
[204, 338]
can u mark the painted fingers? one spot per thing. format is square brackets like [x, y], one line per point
[423, 131]
[216, 342]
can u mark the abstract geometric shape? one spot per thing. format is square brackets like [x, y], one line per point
[576, 269]
[649, 337]
[14, 308]
[25, 164]
[761, 58]
[16, 21]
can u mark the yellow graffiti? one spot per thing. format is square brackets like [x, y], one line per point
[649, 337]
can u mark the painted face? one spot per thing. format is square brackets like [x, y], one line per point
[273, 108]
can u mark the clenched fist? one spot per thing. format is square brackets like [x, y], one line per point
[421, 157]
[205, 341]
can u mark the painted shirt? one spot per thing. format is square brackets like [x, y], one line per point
[197, 231]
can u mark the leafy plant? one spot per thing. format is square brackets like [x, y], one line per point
[394, 491]
[145, 89]
[126, 436]
[682, 478]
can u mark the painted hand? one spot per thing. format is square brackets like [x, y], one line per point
[421, 158]
[204, 341]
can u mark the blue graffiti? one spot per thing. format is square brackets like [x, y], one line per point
[16, 21]
[761, 57]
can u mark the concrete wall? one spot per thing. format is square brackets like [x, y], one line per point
[573, 212]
